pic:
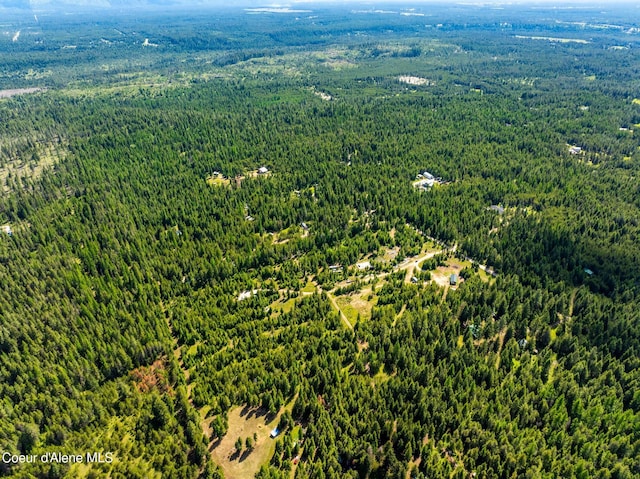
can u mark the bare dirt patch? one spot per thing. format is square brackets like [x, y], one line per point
[391, 253]
[323, 95]
[19, 91]
[412, 80]
[442, 274]
[413, 263]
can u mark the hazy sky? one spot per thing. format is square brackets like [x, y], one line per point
[409, 3]
[293, 2]
[36, 4]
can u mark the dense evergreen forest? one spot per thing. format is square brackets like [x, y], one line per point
[321, 243]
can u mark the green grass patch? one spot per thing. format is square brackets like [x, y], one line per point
[380, 377]
[296, 433]
[116, 431]
[484, 276]
[193, 349]
[218, 181]
[309, 288]
[357, 304]
[284, 306]
[429, 247]
[349, 311]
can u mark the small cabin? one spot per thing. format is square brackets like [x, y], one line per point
[274, 433]
[453, 279]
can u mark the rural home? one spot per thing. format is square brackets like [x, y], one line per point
[425, 183]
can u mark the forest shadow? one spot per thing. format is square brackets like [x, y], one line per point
[215, 444]
[248, 412]
[240, 456]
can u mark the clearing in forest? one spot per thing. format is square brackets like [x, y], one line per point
[410, 265]
[554, 39]
[323, 95]
[343, 316]
[19, 91]
[285, 303]
[287, 234]
[390, 253]
[218, 180]
[442, 274]
[412, 80]
[357, 304]
[309, 288]
[244, 422]
[46, 155]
